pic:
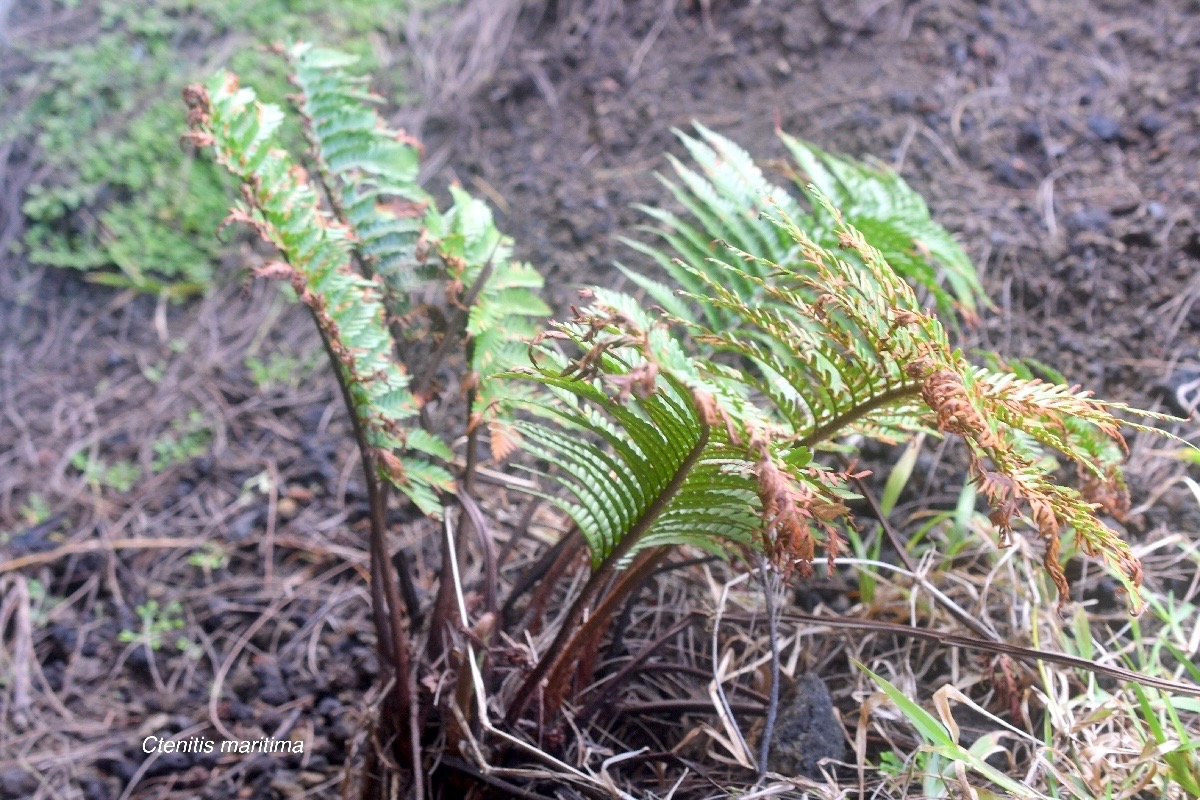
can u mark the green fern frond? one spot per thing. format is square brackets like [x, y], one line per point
[723, 199]
[283, 206]
[368, 170]
[370, 174]
[838, 344]
[614, 489]
[998, 415]
[726, 198]
[668, 473]
[504, 315]
[893, 217]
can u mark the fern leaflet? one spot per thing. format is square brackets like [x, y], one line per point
[283, 206]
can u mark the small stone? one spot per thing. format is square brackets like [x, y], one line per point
[1104, 127]
[240, 711]
[1106, 593]
[123, 769]
[1029, 133]
[242, 681]
[287, 508]
[242, 526]
[64, 637]
[275, 694]
[169, 764]
[34, 540]
[806, 731]
[328, 706]
[87, 670]
[159, 702]
[340, 731]
[97, 790]
[1151, 124]
[261, 765]
[1155, 210]
[1138, 237]
[903, 101]
[1013, 172]
[270, 719]
[750, 76]
[1090, 219]
[17, 783]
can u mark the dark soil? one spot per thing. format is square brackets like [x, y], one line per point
[1059, 140]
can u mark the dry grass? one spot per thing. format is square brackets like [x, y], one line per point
[1031, 692]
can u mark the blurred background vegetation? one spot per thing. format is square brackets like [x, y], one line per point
[113, 193]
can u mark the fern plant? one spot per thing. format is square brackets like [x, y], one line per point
[728, 447]
[702, 422]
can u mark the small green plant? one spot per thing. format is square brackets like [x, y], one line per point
[278, 371]
[866, 550]
[891, 764]
[187, 440]
[943, 750]
[41, 602]
[119, 476]
[158, 623]
[208, 558]
[35, 510]
[705, 422]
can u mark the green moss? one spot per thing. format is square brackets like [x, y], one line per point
[117, 196]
